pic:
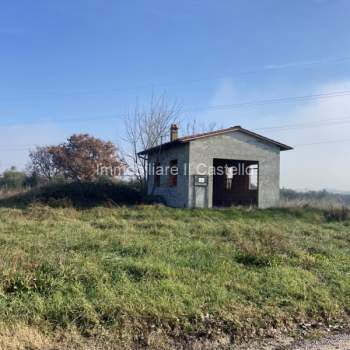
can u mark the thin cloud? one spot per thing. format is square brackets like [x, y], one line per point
[306, 63]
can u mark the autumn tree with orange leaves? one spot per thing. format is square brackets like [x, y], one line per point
[81, 158]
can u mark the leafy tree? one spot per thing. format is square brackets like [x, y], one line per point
[42, 163]
[81, 158]
[12, 179]
[32, 180]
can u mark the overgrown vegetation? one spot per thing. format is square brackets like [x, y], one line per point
[81, 158]
[80, 195]
[15, 180]
[315, 199]
[153, 275]
[337, 214]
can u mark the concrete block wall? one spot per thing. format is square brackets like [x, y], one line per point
[239, 146]
[236, 146]
[174, 196]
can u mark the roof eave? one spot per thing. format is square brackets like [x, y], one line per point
[156, 148]
[281, 146]
[286, 148]
[187, 139]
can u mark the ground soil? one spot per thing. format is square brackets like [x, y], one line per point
[339, 341]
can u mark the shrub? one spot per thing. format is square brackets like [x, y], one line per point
[79, 194]
[12, 179]
[313, 199]
[86, 194]
[152, 199]
[255, 260]
[337, 214]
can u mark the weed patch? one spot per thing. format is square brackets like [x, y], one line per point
[337, 214]
[131, 271]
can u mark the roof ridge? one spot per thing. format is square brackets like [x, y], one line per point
[189, 138]
[210, 132]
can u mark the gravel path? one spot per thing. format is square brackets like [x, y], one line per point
[334, 342]
[328, 342]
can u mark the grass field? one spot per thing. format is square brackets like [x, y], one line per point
[154, 275]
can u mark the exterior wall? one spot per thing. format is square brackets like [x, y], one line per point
[237, 146]
[174, 196]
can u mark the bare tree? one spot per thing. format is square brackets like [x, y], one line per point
[42, 163]
[192, 126]
[146, 128]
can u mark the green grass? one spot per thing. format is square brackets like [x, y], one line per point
[184, 272]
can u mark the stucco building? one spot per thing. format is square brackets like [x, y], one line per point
[226, 167]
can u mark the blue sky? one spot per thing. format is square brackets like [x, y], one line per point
[94, 58]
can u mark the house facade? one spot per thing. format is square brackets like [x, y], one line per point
[227, 167]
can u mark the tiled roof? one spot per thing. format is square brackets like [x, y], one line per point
[185, 139]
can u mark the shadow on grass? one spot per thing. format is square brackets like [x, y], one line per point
[85, 195]
[77, 194]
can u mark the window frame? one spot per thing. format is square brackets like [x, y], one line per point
[172, 178]
[255, 175]
[156, 173]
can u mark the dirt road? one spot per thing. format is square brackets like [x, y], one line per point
[334, 342]
[330, 342]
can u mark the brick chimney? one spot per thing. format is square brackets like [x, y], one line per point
[173, 132]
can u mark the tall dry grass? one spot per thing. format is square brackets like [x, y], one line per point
[323, 203]
[12, 192]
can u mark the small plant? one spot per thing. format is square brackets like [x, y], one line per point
[252, 260]
[337, 214]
